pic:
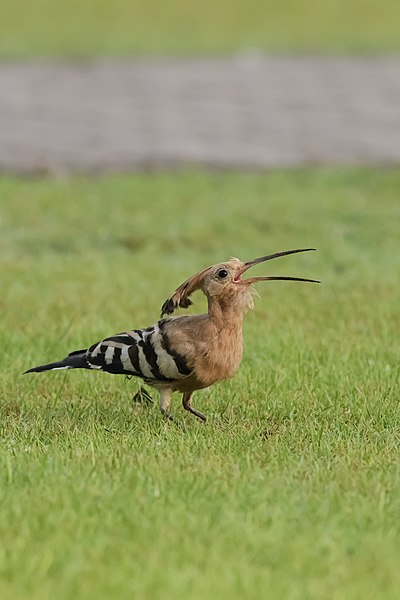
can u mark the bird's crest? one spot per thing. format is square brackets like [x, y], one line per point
[181, 297]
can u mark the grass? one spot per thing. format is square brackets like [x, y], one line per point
[292, 489]
[89, 28]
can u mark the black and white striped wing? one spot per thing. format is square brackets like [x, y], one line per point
[144, 353]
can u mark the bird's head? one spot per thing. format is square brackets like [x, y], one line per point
[225, 281]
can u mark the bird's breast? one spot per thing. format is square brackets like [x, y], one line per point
[221, 357]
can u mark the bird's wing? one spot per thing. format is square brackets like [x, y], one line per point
[145, 353]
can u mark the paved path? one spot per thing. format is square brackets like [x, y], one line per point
[246, 111]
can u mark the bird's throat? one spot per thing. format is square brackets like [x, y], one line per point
[223, 313]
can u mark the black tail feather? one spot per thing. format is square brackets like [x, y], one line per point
[75, 360]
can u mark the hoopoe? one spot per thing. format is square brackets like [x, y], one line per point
[183, 353]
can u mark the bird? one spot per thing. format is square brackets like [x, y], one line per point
[184, 353]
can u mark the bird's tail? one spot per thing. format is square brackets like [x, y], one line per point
[75, 360]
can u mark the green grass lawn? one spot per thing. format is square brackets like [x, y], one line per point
[292, 488]
[91, 27]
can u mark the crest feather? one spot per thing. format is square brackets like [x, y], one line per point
[181, 296]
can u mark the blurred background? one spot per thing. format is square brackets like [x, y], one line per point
[93, 28]
[97, 86]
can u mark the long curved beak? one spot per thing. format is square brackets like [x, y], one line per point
[247, 265]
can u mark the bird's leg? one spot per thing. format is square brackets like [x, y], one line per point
[186, 402]
[165, 402]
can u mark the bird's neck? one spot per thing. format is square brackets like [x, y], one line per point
[223, 313]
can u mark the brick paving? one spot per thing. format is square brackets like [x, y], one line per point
[247, 111]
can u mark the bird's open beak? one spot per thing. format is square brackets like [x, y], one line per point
[256, 261]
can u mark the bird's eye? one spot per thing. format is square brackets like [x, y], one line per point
[222, 273]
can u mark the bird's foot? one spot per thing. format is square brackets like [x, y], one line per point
[167, 415]
[142, 395]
